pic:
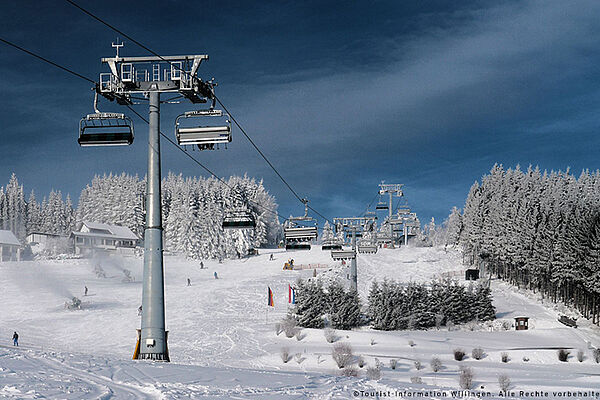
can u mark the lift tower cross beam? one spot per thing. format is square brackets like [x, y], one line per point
[151, 76]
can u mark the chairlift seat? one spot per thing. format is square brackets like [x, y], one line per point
[105, 129]
[367, 248]
[239, 220]
[302, 233]
[205, 137]
[343, 254]
[381, 206]
[297, 246]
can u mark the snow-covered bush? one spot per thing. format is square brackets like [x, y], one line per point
[350, 371]
[289, 326]
[580, 356]
[465, 379]
[285, 354]
[459, 354]
[342, 354]
[504, 357]
[416, 380]
[393, 363]
[563, 355]
[436, 364]
[298, 358]
[418, 365]
[596, 354]
[330, 335]
[374, 373]
[360, 361]
[278, 329]
[503, 382]
[477, 353]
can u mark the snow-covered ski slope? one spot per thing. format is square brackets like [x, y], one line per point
[223, 342]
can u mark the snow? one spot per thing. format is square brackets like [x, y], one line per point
[7, 237]
[223, 342]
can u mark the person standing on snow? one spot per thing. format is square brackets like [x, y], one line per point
[216, 276]
[16, 339]
[201, 265]
[86, 290]
[189, 282]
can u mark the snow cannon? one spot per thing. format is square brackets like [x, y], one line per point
[74, 304]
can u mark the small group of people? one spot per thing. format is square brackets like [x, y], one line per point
[291, 262]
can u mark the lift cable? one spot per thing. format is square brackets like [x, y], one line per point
[47, 61]
[135, 112]
[222, 105]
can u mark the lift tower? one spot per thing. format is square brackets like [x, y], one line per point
[352, 225]
[393, 190]
[150, 77]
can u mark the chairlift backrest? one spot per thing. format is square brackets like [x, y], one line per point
[204, 136]
[105, 129]
[239, 219]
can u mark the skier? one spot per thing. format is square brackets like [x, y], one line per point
[86, 290]
[16, 339]
[271, 258]
[201, 265]
[140, 311]
[216, 276]
[189, 282]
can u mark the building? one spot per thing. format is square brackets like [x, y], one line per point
[94, 237]
[521, 323]
[10, 247]
[42, 238]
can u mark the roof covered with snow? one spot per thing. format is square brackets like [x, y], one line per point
[121, 232]
[7, 237]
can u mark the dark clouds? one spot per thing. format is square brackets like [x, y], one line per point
[339, 97]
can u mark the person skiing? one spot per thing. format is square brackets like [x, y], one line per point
[140, 311]
[271, 258]
[201, 265]
[189, 282]
[216, 276]
[86, 290]
[16, 339]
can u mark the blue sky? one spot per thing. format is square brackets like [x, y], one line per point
[339, 95]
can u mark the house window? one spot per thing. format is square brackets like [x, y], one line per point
[79, 240]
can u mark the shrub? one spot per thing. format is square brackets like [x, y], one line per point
[373, 342]
[411, 343]
[525, 359]
[342, 354]
[416, 379]
[360, 361]
[418, 365]
[506, 325]
[350, 371]
[289, 326]
[503, 382]
[298, 358]
[477, 353]
[596, 354]
[285, 355]
[504, 357]
[580, 356]
[393, 363]
[465, 378]
[277, 328]
[563, 355]
[299, 334]
[330, 335]
[374, 373]
[459, 354]
[436, 364]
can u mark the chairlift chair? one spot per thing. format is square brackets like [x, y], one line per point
[239, 218]
[367, 247]
[381, 206]
[206, 136]
[343, 254]
[105, 128]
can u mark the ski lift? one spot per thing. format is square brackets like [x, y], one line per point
[331, 246]
[343, 254]
[297, 235]
[105, 129]
[205, 137]
[239, 218]
[367, 247]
